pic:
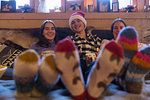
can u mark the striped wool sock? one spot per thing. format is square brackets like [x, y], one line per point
[138, 68]
[25, 70]
[128, 39]
[108, 65]
[48, 76]
[67, 61]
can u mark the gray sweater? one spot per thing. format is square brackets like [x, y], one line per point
[40, 49]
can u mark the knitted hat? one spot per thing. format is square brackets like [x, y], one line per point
[138, 68]
[78, 15]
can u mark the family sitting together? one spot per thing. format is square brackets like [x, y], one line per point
[51, 61]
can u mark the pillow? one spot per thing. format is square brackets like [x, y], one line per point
[8, 54]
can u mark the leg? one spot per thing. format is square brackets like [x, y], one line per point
[128, 39]
[68, 64]
[25, 70]
[139, 66]
[108, 65]
[48, 76]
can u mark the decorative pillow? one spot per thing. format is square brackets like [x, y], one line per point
[7, 55]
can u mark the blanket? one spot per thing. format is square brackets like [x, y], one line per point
[7, 90]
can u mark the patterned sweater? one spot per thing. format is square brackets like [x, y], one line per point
[91, 45]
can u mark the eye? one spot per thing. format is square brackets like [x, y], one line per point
[72, 22]
[115, 27]
[46, 28]
[78, 20]
[52, 28]
[121, 27]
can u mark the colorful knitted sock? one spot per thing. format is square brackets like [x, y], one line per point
[128, 39]
[67, 60]
[25, 70]
[48, 75]
[108, 65]
[138, 68]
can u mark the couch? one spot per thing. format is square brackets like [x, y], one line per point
[15, 41]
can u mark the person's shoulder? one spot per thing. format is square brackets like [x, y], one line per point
[96, 37]
[92, 35]
[34, 45]
[72, 37]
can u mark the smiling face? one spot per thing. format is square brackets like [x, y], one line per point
[77, 25]
[49, 31]
[118, 26]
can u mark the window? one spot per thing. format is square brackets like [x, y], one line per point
[123, 3]
[53, 4]
[46, 6]
[22, 3]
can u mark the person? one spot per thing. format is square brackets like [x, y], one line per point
[88, 45]
[117, 25]
[34, 69]
[47, 40]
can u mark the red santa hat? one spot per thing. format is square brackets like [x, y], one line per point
[78, 15]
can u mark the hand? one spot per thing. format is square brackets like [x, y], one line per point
[44, 53]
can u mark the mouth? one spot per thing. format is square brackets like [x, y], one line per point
[50, 34]
[77, 27]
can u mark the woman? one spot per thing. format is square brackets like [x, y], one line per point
[88, 45]
[37, 76]
[47, 39]
[117, 25]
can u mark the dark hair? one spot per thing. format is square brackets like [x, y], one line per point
[44, 42]
[116, 20]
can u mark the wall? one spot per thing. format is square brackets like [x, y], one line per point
[141, 21]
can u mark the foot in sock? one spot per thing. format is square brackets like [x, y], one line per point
[128, 39]
[47, 77]
[25, 70]
[67, 61]
[138, 67]
[108, 65]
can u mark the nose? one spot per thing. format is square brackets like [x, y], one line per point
[75, 23]
[49, 30]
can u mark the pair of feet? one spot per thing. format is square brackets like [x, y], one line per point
[32, 79]
[108, 65]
